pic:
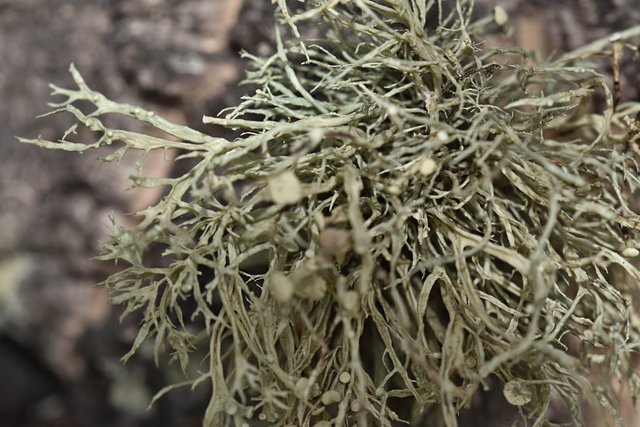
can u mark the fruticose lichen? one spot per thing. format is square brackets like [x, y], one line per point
[405, 214]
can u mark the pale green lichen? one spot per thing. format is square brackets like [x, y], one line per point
[479, 215]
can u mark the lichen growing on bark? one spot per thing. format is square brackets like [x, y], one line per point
[405, 214]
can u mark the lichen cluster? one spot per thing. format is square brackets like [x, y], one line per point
[404, 214]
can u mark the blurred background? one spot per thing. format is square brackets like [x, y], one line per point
[60, 338]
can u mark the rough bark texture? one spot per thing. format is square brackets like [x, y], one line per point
[60, 340]
[551, 27]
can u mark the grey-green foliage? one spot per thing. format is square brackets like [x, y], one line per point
[404, 215]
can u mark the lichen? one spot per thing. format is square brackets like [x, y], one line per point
[405, 214]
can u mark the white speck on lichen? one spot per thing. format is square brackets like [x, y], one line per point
[285, 188]
[517, 393]
[329, 397]
[350, 302]
[500, 15]
[281, 287]
[428, 166]
[344, 377]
